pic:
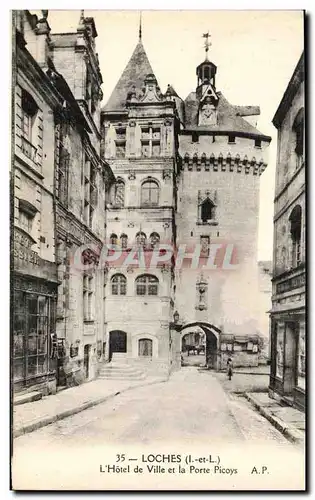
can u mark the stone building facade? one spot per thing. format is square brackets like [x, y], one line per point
[288, 334]
[34, 277]
[187, 175]
[59, 187]
[139, 126]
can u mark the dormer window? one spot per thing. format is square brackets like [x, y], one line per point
[231, 139]
[195, 137]
[120, 142]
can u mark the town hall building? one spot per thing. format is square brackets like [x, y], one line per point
[187, 175]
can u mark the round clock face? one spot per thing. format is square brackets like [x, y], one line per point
[208, 113]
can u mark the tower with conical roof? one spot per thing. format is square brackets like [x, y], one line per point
[139, 129]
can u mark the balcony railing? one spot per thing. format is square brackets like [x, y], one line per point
[29, 150]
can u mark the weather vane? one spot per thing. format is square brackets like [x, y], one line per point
[207, 42]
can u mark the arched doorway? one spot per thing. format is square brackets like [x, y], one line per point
[193, 347]
[212, 334]
[117, 342]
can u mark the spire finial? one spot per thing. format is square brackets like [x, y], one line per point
[207, 43]
[81, 15]
[140, 27]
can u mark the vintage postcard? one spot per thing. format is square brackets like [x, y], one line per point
[158, 336]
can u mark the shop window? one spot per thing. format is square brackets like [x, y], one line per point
[33, 322]
[147, 285]
[145, 348]
[119, 284]
[279, 349]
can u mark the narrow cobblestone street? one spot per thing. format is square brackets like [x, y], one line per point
[192, 405]
[190, 413]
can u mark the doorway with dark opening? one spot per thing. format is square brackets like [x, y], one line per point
[117, 342]
[87, 349]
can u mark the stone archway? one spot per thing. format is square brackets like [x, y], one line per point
[212, 341]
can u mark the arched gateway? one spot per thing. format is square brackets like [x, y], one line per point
[212, 341]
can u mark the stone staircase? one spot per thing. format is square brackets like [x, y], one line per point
[117, 369]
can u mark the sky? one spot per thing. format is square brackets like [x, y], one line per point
[255, 52]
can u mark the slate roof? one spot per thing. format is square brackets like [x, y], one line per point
[134, 74]
[229, 116]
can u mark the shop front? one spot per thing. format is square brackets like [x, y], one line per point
[288, 344]
[34, 355]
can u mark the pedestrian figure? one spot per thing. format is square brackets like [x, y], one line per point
[229, 368]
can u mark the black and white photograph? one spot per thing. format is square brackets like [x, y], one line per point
[158, 250]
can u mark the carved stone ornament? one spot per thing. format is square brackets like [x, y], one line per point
[132, 175]
[131, 224]
[167, 174]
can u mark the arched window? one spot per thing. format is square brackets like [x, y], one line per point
[154, 240]
[118, 194]
[150, 193]
[123, 241]
[119, 284]
[207, 210]
[147, 285]
[296, 229]
[298, 128]
[113, 239]
[145, 348]
[141, 239]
